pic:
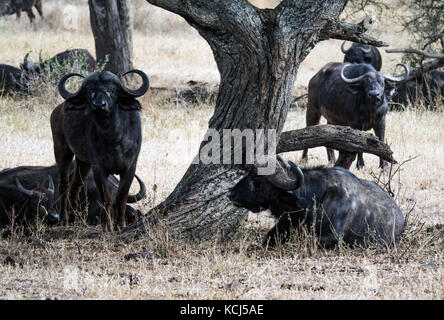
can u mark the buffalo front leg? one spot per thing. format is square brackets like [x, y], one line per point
[281, 232]
[31, 15]
[345, 159]
[312, 118]
[380, 133]
[63, 158]
[122, 196]
[360, 162]
[105, 199]
[80, 171]
[331, 153]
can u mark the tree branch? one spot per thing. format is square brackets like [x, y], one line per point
[351, 32]
[417, 51]
[336, 137]
[198, 12]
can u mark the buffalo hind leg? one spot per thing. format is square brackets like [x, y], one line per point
[38, 6]
[360, 163]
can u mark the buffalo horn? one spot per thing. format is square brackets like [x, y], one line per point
[343, 48]
[353, 80]
[400, 78]
[50, 184]
[62, 88]
[143, 88]
[298, 172]
[366, 49]
[25, 59]
[281, 179]
[22, 189]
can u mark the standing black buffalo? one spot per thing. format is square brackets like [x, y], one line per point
[29, 183]
[349, 95]
[8, 7]
[99, 124]
[341, 206]
[362, 53]
[427, 87]
[68, 58]
[11, 80]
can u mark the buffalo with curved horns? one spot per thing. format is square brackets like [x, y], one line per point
[29, 178]
[19, 204]
[11, 80]
[352, 95]
[99, 125]
[65, 58]
[362, 53]
[8, 7]
[427, 87]
[340, 206]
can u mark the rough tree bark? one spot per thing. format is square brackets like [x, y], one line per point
[111, 26]
[257, 52]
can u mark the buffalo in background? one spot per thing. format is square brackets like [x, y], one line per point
[352, 95]
[20, 205]
[9, 7]
[427, 87]
[26, 187]
[21, 81]
[362, 53]
[340, 206]
[11, 80]
[79, 59]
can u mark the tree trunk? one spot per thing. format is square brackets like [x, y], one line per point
[257, 52]
[111, 26]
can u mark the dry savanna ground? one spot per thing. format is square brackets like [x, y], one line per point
[63, 264]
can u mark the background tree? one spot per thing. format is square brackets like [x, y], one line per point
[257, 52]
[112, 30]
[426, 25]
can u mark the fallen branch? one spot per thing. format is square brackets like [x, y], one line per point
[335, 137]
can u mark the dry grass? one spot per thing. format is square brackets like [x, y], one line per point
[64, 264]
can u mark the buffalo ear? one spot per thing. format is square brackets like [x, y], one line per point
[75, 105]
[390, 90]
[353, 88]
[129, 104]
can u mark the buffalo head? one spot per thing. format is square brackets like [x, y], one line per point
[357, 53]
[42, 200]
[103, 92]
[256, 192]
[372, 82]
[30, 66]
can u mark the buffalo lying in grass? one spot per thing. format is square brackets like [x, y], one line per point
[340, 206]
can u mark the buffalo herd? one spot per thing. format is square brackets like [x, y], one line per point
[97, 133]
